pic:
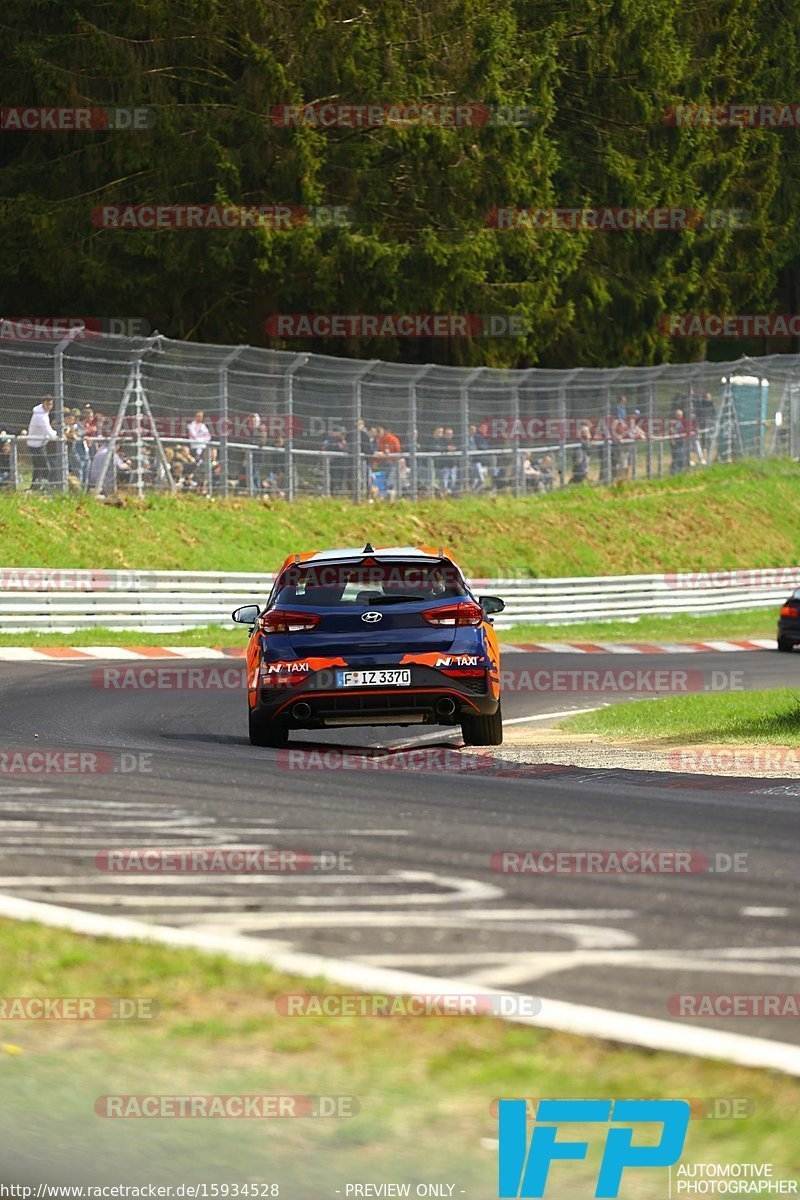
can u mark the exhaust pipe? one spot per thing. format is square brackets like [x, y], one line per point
[445, 707]
[301, 711]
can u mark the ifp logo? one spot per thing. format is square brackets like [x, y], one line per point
[523, 1170]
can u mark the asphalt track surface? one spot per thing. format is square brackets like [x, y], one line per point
[417, 890]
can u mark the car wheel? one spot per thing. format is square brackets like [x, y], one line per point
[264, 732]
[785, 644]
[483, 730]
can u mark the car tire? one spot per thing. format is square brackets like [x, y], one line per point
[264, 732]
[483, 730]
[785, 644]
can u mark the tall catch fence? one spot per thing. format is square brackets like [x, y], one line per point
[288, 425]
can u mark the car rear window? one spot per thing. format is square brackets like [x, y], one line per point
[329, 585]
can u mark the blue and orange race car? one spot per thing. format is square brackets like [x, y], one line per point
[392, 636]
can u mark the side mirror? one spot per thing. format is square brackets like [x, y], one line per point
[246, 615]
[491, 604]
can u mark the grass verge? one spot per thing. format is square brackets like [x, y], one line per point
[726, 516]
[756, 623]
[425, 1085]
[771, 717]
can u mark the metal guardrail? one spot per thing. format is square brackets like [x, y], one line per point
[168, 601]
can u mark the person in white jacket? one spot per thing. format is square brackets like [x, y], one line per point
[40, 434]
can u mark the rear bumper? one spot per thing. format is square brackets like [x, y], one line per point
[318, 709]
[788, 628]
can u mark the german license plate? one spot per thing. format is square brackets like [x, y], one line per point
[381, 677]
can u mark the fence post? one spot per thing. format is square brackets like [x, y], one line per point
[294, 366]
[607, 441]
[519, 482]
[224, 408]
[353, 434]
[58, 407]
[651, 408]
[562, 435]
[465, 458]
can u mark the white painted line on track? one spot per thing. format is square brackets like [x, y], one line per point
[564, 712]
[579, 1019]
[753, 910]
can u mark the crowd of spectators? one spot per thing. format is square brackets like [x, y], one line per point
[447, 462]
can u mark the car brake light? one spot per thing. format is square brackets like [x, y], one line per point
[789, 610]
[281, 621]
[466, 612]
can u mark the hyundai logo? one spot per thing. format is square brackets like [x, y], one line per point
[371, 617]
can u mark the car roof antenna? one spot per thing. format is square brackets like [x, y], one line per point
[368, 549]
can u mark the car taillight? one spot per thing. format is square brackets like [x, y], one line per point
[272, 680]
[466, 612]
[281, 621]
[789, 610]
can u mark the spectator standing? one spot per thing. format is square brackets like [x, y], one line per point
[679, 442]
[81, 456]
[450, 469]
[479, 470]
[582, 456]
[40, 435]
[388, 446]
[199, 435]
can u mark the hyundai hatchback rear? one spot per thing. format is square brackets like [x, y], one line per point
[392, 636]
